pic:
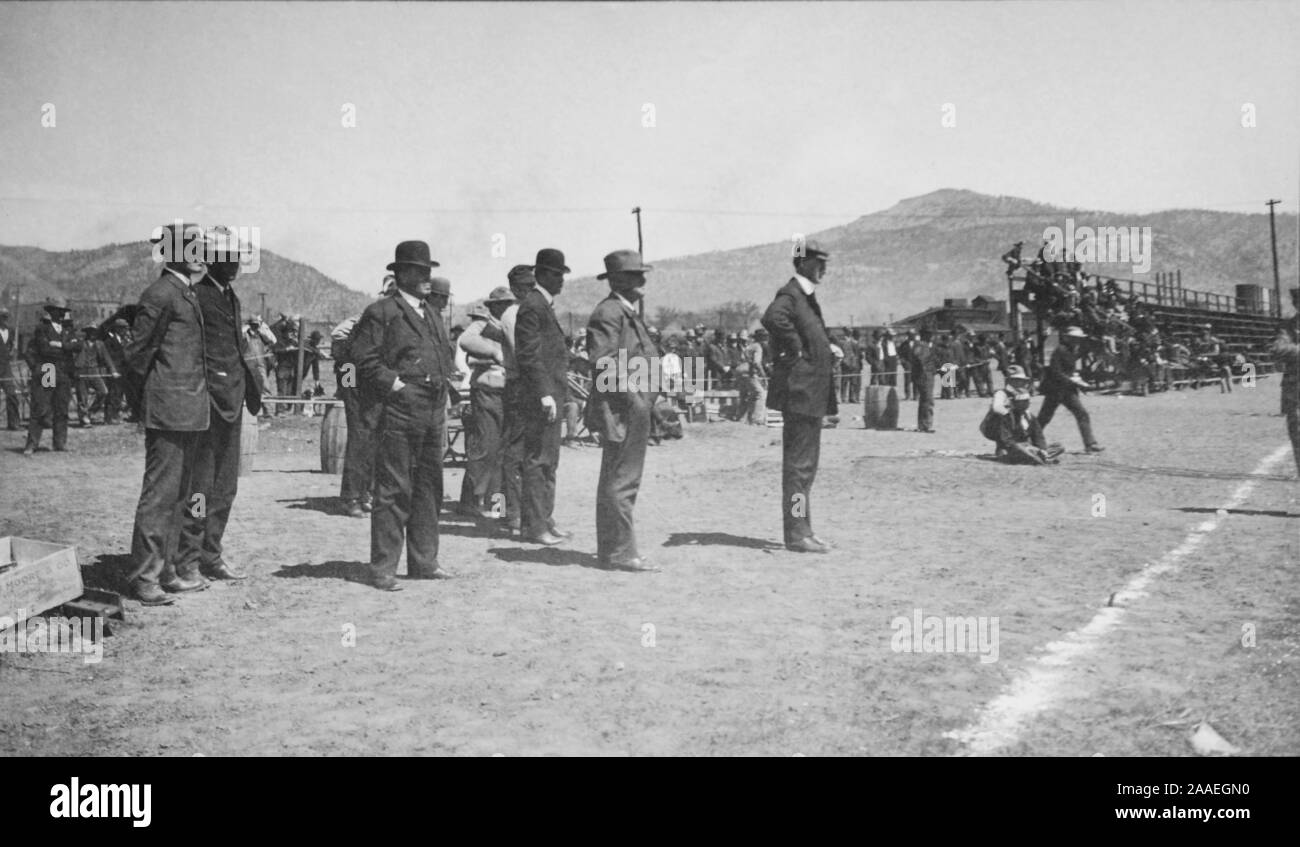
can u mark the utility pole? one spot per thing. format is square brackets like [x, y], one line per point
[640, 304]
[1277, 281]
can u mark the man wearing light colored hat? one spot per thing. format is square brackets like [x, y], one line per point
[1062, 386]
[619, 409]
[802, 389]
[234, 382]
[167, 384]
[1017, 433]
[404, 359]
[481, 489]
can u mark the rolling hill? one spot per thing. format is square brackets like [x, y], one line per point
[119, 272]
[947, 244]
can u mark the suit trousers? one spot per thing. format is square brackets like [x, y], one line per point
[512, 451]
[483, 458]
[49, 407]
[359, 453]
[408, 481]
[164, 497]
[8, 387]
[801, 440]
[621, 465]
[216, 477]
[924, 388]
[1069, 398]
[541, 458]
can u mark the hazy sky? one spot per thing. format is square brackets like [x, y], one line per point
[528, 122]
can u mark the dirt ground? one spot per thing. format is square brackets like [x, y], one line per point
[737, 647]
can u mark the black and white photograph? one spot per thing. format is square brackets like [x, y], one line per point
[663, 379]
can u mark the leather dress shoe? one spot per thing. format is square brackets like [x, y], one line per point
[637, 565]
[1095, 448]
[387, 584]
[181, 585]
[561, 533]
[438, 572]
[355, 509]
[548, 538]
[823, 542]
[152, 595]
[367, 504]
[807, 545]
[224, 571]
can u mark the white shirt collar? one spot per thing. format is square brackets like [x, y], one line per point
[550, 298]
[809, 287]
[626, 305]
[182, 277]
[414, 302]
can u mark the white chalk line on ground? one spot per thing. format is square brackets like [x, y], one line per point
[1039, 685]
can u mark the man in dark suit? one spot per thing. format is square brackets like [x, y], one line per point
[168, 374]
[521, 281]
[404, 358]
[8, 387]
[802, 389]
[922, 365]
[233, 381]
[1062, 385]
[51, 357]
[542, 357]
[622, 357]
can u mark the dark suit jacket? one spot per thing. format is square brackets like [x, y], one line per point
[6, 352]
[541, 353]
[391, 340]
[618, 344]
[49, 347]
[232, 382]
[802, 374]
[165, 359]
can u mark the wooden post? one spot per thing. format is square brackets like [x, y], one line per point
[302, 340]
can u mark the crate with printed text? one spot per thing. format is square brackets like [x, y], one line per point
[36, 576]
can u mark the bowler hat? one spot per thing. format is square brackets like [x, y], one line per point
[623, 261]
[441, 286]
[412, 253]
[501, 294]
[551, 259]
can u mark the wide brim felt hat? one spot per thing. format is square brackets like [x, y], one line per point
[500, 294]
[415, 253]
[221, 242]
[624, 261]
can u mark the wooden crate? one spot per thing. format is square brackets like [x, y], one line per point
[36, 576]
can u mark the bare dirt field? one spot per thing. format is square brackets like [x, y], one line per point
[737, 647]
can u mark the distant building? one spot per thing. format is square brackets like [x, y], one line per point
[982, 315]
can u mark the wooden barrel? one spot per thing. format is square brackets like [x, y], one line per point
[247, 442]
[880, 407]
[333, 439]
